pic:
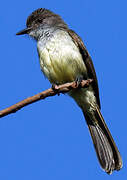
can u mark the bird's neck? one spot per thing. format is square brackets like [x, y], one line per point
[42, 33]
[45, 32]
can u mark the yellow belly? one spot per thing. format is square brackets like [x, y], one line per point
[61, 62]
[60, 59]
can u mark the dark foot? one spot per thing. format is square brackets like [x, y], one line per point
[78, 80]
[55, 89]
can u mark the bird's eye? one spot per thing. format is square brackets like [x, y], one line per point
[39, 20]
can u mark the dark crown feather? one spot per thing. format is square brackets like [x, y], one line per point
[44, 16]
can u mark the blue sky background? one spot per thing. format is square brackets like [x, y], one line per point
[49, 139]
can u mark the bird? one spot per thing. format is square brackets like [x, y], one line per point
[64, 58]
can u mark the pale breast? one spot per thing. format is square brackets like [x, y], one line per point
[60, 59]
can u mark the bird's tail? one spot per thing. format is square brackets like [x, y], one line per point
[106, 150]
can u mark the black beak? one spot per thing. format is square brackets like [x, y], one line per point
[24, 31]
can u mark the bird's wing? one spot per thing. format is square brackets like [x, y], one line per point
[88, 62]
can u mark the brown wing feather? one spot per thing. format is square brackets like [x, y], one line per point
[88, 62]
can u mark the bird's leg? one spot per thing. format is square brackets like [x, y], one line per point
[79, 80]
[55, 89]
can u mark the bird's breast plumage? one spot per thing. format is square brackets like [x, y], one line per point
[60, 59]
[61, 62]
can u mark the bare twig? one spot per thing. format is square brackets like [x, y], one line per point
[64, 88]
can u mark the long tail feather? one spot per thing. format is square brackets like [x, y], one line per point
[106, 150]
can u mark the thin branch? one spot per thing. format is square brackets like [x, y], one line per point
[64, 88]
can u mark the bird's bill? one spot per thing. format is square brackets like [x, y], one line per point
[24, 31]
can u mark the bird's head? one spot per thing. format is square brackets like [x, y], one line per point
[40, 19]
